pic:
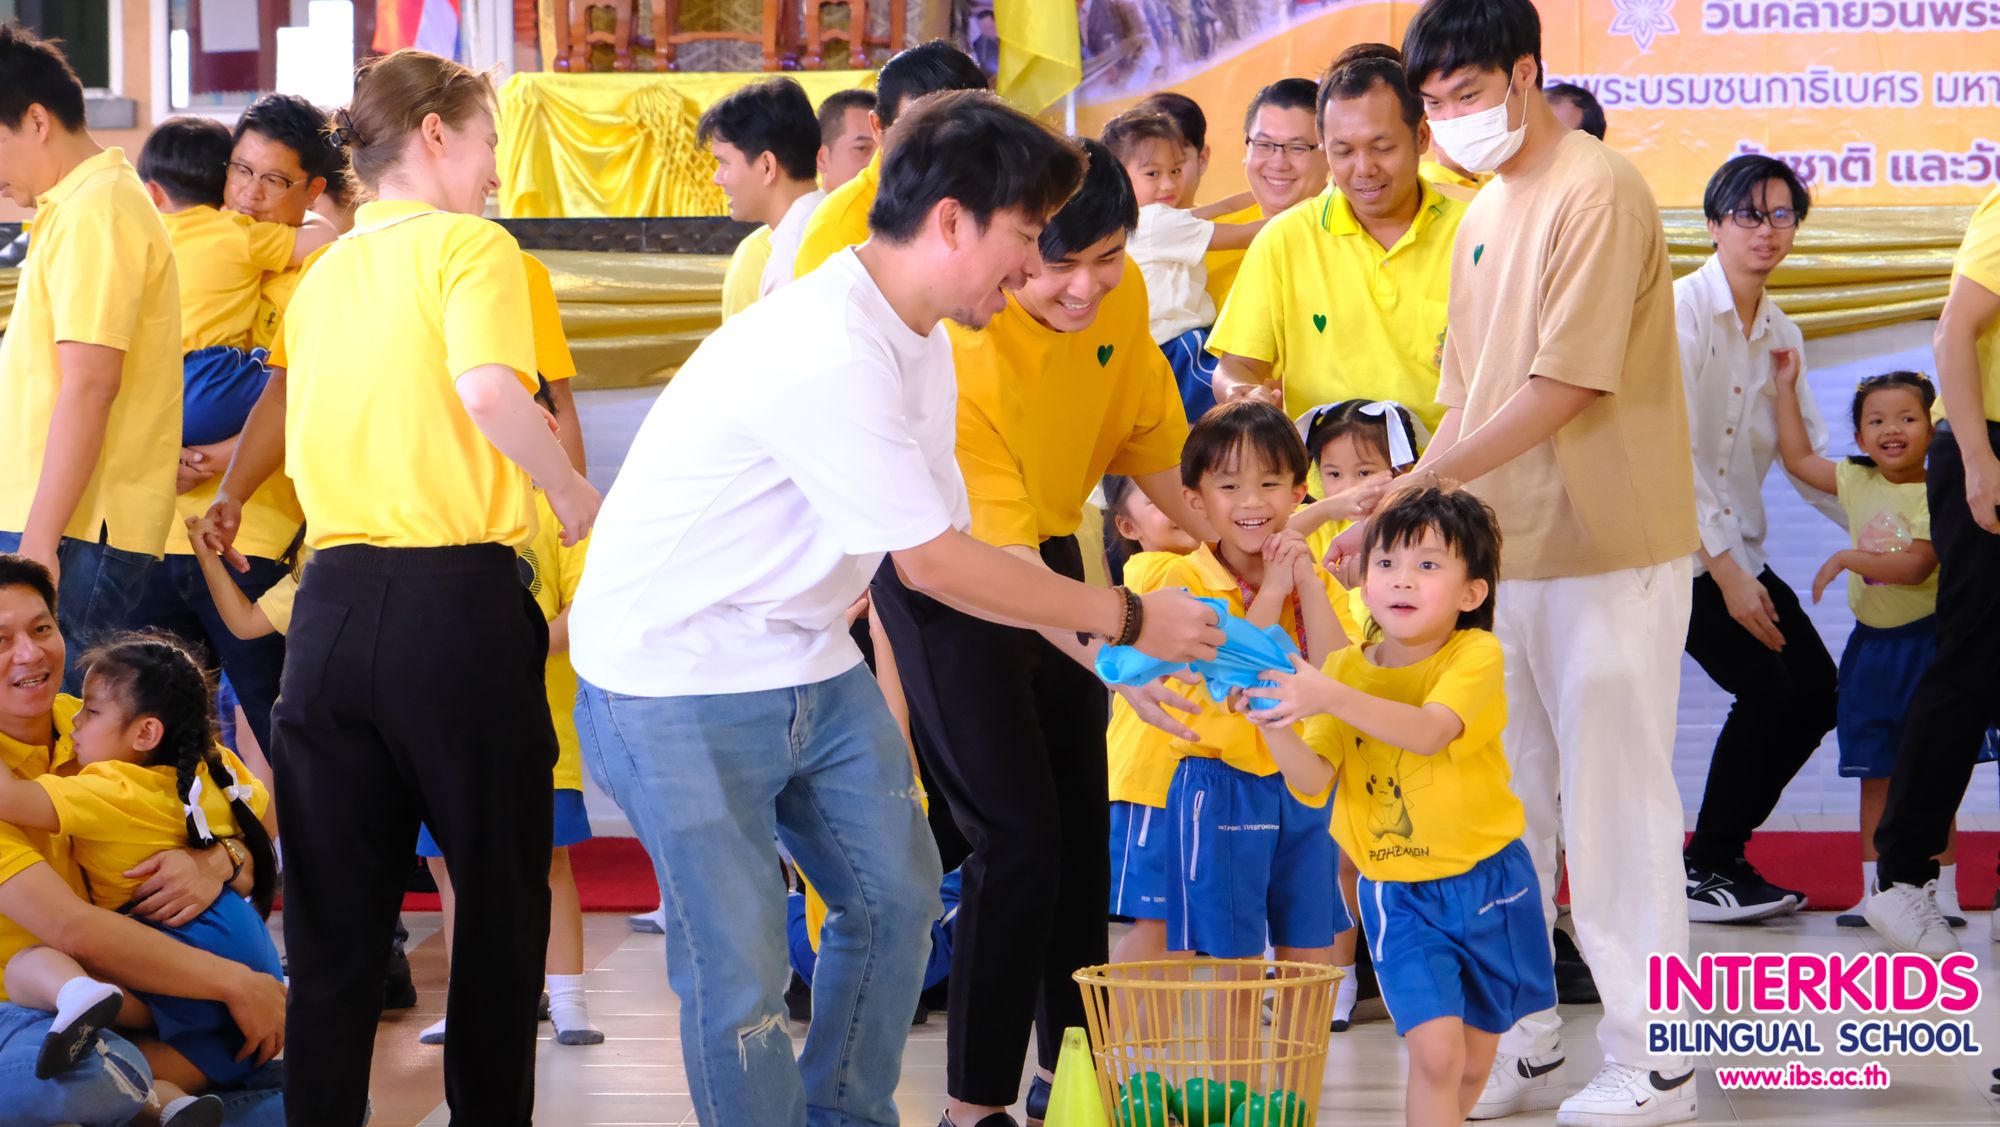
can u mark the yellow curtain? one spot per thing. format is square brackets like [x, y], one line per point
[603, 145]
[1041, 56]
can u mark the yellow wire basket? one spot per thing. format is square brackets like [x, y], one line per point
[1209, 1042]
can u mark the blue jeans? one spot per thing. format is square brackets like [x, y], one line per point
[98, 589]
[176, 600]
[109, 1087]
[710, 783]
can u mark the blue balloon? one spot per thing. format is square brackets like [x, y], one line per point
[1245, 654]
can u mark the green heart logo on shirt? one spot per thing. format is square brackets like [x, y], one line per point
[1476, 252]
[1319, 322]
[1104, 354]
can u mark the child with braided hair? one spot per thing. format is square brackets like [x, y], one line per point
[148, 775]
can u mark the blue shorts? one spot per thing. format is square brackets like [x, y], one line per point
[1474, 946]
[1194, 370]
[203, 1031]
[1138, 861]
[1251, 864]
[1879, 671]
[572, 826]
[219, 385]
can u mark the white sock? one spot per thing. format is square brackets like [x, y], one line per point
[433, 1035]
[1867, 880]
[77, 996]
[568, 1012]
[1947, 890]
[1348, 990]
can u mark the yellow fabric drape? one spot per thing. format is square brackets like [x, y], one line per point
[1041, 56]
[607, 145]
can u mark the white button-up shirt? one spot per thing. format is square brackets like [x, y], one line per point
[1732, 401]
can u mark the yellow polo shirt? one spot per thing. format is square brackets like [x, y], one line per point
[1043, 415]
[743, 279]
[552, 356]
[1335, 315]
[1460, 188]
[118, 814]
[439, 294]
[840, 221]
[1226, 735]
[1407, 817]
[221, 258]
[100, 270]
[1222, 265]
[272, 299]
[554, 572]
[1141, 757]
[22, 849]
[1978, 260]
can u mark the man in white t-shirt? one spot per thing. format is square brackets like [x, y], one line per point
[723, 702]
[766, 145]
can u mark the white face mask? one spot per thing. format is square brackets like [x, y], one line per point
[1481, 142]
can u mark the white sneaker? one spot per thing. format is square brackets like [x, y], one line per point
[649, 923]
[1520, 1084]
[1908, 917]
[1623, 1096]
[1854, 917]
[1996, 935]
[1947, 904]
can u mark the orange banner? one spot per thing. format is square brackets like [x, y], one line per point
[1873, 101]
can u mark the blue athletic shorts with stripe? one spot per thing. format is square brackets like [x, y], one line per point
[1138, 861]
[1474, 946]
[1251, 864]
[1194, 370]
[572, 826]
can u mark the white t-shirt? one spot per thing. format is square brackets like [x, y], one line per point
[785, 240]
[805, 438]
[1168, 246]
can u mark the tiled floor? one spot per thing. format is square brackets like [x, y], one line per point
[636, 1077]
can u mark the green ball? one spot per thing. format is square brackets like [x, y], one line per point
[1250, 1113]
[1207, 1103]
[1145, 1111]
[1151, 1087]
[1283, 1108]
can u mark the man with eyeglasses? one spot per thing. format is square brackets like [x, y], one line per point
[1344, 296]
[1281, 165]
[1747, 630]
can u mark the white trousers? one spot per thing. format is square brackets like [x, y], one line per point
[1593, 681]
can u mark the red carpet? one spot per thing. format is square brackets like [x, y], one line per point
[612, 875]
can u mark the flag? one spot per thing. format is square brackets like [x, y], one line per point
[427, 25]
[1041, 56]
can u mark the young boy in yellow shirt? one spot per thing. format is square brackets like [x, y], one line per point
[221, 258]
[1410, 727]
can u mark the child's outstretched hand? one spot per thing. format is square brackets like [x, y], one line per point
[1785, 366]
[1360, 500]
[1828, 572]
[1301, 692]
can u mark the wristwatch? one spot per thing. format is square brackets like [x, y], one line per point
[239, 856]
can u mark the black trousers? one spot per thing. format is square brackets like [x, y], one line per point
[1959, 696]
[1784, 707]
[413, 691]
[1013, 732]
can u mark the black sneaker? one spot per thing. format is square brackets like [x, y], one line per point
[1744, 867]
[399, 991]
[799, 1000]
[1733, 896]
[1574, 985]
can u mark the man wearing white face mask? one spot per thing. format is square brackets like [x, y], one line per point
[1565, 412]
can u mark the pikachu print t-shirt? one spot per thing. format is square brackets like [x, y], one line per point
[1408, 817]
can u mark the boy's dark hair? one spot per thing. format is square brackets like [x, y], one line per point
[927, 68]
[17, 570]
[1285, 94]
[1915, 381]
[969, 146]
[154, 674]
[34, 72]
[833, 111]
[186, 156]
[1359, 70]
[1218, 439]
[1328, 422]
[1482, 34]
[299, 126]
[1585, 102]
[1101, 207]
[1463, 522]
[1124, 134]
[1117, 549]
[773, 116]
[1186, 113]
[1736, 182]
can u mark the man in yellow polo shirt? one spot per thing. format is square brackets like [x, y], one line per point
[841, 221]
[1953, 703]
[1344, 296]
[42, 901]
[1282, 164]
[90, 364]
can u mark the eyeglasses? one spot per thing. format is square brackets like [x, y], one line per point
[270, 180]
[1273, 148]
[1751, 218]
